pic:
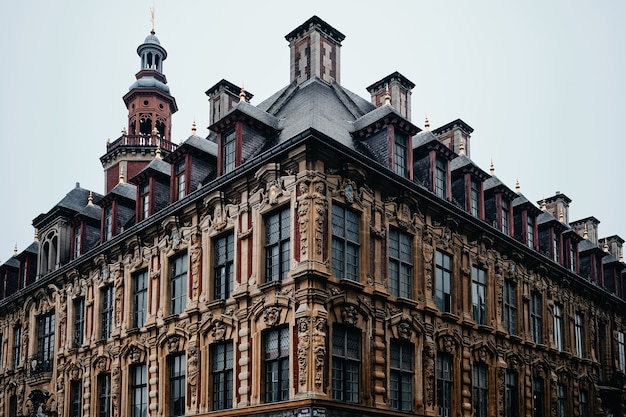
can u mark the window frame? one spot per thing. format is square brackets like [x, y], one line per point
[579, 334]
[621, 351]
[276, 368]
[510, 306]
[229, 151]
[79, 322]
[475, 197]
[46, 328]
[224, 265]
[18, 334]
[400, 154]
[180, 179]
[106, 311]
[140, 298]
[277, 244]
[177, 379]
[401, 375]
[538, 397]
[104, 394]
[558, 326]
[443, 281]
[222, 378]
[76, 399]
[346, 366]
[511, 393]
[144, 201]
[536, 317]
[480, 386]
[138, 390]
[444, 384]
[479, 295]
[345, 243]
[400, 263]
[178, 267]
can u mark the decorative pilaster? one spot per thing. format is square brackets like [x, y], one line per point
[153, 384]
[243, 377]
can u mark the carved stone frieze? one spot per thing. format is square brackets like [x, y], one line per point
[271, 315]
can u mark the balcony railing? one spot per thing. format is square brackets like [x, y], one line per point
[141, 140]
[39, 366]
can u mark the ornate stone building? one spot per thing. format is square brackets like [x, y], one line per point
[317, 254]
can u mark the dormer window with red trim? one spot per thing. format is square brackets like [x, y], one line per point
[441, 177]
[229, 150]
[504, 216]
[144, 201]
[108, 222]
[400, 154]
[77, 241]
[475, 197]
[180, 180]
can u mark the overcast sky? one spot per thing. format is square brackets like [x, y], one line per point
[542, 83]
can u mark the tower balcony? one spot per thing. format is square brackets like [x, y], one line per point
[140, 141]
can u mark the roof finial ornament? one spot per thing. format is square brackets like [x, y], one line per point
[155, 131]
[606, 246]
[621, 255]
[427, 124]
[492, 169]
[90, 199]
[15, 250]
[36, 235]
[585, 232]
[387, 95]
[157, 153]
[152, 32]
[121, 177]
[124, 131]
[561, 216]
[517, 187]
[462, 147]
[544, 206]
[242, 94]
[193, 127]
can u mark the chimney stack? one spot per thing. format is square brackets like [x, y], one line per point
[399, 88]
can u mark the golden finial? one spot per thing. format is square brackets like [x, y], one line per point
[585, 232]
[15, 250]
[561, 216]
[427, 124]
[517, 187]
[90, 199]
[157, 153]
[242, 94]
[492, 169]
[606, 246]
[462, 147]
[155, 131]
[544, 206]
[152, 17]
[387, 95]
[193, 128]
[124, 131]
[621, 255]
[121, 176]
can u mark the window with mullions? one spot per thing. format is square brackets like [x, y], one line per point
[181, 184]
[138, 391]
[178, 386]
[505, 217]
[222, 359]
[45, 342]
[178, 283]
[400, 264]
[538, 398]
[558, 327]
[530, 231]
[443, 284]
[77, 241]
[276, 347]
[583, 403]
[444, 385]
[536, 315]
[104, 395]
[108, 222]
[475, 198]
[228, 152]
[480, 389]
[224, 250]
[106, 312]
[479, 295]
[621, 351]
[17, 345]
[140, 298]
[555, 246]
[76, 399]
[277, 230]
[345, 243]
[13, 405]
[510, 307]
[79, 321]
[511, 395]
[144, 201]
[401, 375]
[441, 177]
[579, 334]
[561, 406]
[400, 155]
[346, 364]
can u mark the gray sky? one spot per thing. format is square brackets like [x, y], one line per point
[542, 83]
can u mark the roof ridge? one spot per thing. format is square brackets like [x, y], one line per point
[282, 99]
[350, 105]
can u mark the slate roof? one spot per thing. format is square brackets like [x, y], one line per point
[156, 165]
[201, 144]
[91, 211]
[463, 161]
[423, 138]
[13, 262]
[74, 201]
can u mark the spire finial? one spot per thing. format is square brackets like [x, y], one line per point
[193, 127]
[90, 199]
[242, 94]
[462, 147]
[157, 153]
[606, 246]
[621, 255]
[544, 206]
[15, 250]
[561, 216]
[426, 124]
[124, 131]
[152, 32]
[585, 232]
[492, 169]
[517, 187]
[36, 235]
[387, 95]
[121, 176]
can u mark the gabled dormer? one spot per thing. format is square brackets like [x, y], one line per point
[571, 260]
[550, 231]
[387, 137]
[192, 164]
[243, 133]
[525, 215]
[9, 277]
[431, 164]
[467, 185]
[28, 265]
[118, 210]
[590, 260]
[613, 264]
[394, 90]
[499, 205]
[454, 135]
[86, 228]
[153, 188]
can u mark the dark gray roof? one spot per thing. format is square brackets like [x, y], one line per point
[32, 248]
[492, 182]
[374, 116]
[77, 198]
[545, 217]
[91, 211]
[158, 165]
[609, 258]
[201, 144]
[12, 262]
[256, 113]
[423, 138]
[586, 245]
[123, 189]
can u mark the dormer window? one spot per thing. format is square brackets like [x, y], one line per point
[77, 241]
[228, 152]
[475, 197]
[179, 172]
[144, 201]
[108, 222]
[440, 178]
[555, 246]
[400, 155]
[505, 216]
[530, 231]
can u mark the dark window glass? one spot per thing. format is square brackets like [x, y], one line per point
[45, 342]
[443, 285]
[480, 390]
[17, 345]
[475, 198]
[538, 398]
[401, 375]
[224, 249]
[505, 217]
[345, 243]
[400, 264]
[104, 395]
[106, 312]
[228, 152]
[144, 205]
[530, 231]
[178, 386]
[444, 385]
[140, 298]
[346, 364]
[536, 307]
[138, 391]
[479, 295]
[579, 334]
[440, 178]
[276, 343]
[583, 403]
[181, 184]
[558, 327]
[277, 231]
[222, 373]
[510, 307]
[108, 222]
[400, 155]
[76, 399]
[561, 408]
[79, 321]
[511, 394]
[178, 283]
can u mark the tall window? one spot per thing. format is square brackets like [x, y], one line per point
[444, 385]
[104, 395]
[224, 257]
[555, 246]
[558, 327]
[400, 264]
[510, 306]
[178, 386]
[45, 342]
[77, 241]
[13, 405]
[561, 409]
[579, 333]
[572, 257]
[530, 231]
[511, 394]
[621, 351]
[222, 373]
[76, 399]
[277, 229]
[440, 178]
[401, 375]
[345, 243]
[181, 184]
[583, 403]
[140, 298]
[276, 345]
[138, 391]
[475, 198]
[228, 152]
[107, 312]
[505, 217]
[144, 201]
[178, 283]
[536, 307]
[443, 286]
[479, 295]
[538, 398]
[17, 345]
[79, 321]
[346, 364]
[400, 155]
[480, 390]
[108, 222]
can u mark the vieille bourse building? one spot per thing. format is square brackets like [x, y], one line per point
[317, 254]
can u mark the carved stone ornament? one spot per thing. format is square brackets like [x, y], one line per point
[303, 348]
[75, 372]
[404, 330]
[273, 192]
[135, 354]
[101, 364]
[319, 348]
[271, 315]
[219, 331]
[173, 343]
[349, 315]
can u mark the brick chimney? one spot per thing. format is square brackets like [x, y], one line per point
[399, 89]
[558, 206]
[314, 47]
[223, 96]
[587, 228]
[453, 133]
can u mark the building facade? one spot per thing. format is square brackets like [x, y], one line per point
[317, 254]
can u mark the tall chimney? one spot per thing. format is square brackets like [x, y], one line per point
[314, 47]
[399, 89]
